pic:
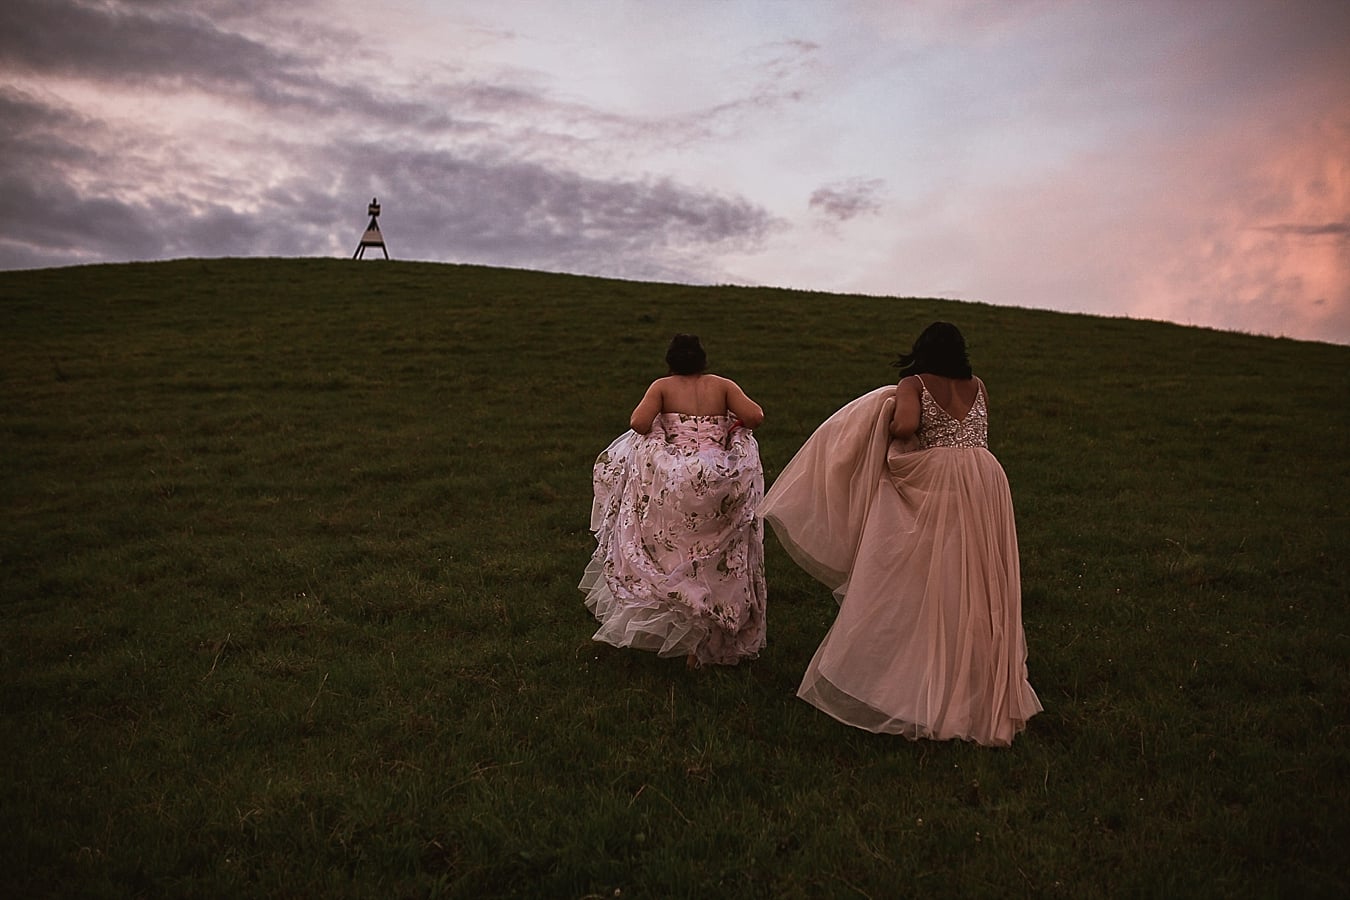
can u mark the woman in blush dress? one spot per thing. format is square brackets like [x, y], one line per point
[898, 506]
[679, 562]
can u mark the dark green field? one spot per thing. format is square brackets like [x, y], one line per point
[289, 554]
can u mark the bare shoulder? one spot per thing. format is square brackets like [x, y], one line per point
[657, 392]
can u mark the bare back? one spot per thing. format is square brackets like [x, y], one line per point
[695, 395]
[956, 396]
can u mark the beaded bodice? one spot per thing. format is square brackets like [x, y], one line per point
[938, 429]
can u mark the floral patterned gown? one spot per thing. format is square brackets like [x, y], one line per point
[679, 562]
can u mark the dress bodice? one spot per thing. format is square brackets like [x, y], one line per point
[689, 434]
[937, 428]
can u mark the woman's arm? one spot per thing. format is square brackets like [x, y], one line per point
[646, 410]
[908, 404]
[742, 407]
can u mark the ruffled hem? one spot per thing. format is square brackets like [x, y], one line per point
[817, 690]
[665, 629]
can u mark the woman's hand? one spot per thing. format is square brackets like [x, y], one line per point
[906, 444]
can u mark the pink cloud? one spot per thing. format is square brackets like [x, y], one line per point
[1230, 215]
[1260, 240]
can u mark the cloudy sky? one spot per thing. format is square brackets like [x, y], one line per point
[1185, 160]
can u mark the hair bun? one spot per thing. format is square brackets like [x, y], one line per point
[685, 355]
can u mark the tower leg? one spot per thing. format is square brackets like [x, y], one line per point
[372, 238]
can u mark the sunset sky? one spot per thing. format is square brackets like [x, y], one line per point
[1185, 160]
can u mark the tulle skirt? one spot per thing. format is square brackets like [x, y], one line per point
[920, 549]
[678, 567]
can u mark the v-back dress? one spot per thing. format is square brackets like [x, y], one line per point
[678, 566]
[920, 549]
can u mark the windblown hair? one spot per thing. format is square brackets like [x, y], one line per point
[940, 349]
[685, 355]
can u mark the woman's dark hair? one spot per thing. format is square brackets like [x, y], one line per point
[940, 349]
[685, 355]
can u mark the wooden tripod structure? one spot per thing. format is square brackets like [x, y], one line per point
[373, 237]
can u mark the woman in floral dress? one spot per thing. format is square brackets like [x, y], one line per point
[679, 563]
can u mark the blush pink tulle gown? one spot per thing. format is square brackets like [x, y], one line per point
[678, 566]
[920, 549]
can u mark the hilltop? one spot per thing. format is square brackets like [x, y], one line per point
[289, 561]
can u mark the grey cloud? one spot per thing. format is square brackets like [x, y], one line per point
[465, 170]
[844, 200]
[787, 59]
[118, 42]
[781, 68]
[61, 226]
[182, 46]
[440, 206]
[41, 148]
[469, 205]
[168, 48]
[1334, 229]
[41, 135]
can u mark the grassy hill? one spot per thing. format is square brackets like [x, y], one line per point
[287, 575]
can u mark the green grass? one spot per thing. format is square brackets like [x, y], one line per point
[289, 559]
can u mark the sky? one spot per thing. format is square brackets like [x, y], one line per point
[1186, 161]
